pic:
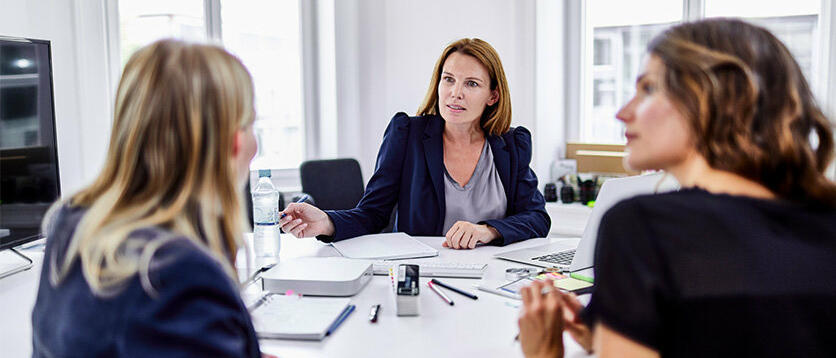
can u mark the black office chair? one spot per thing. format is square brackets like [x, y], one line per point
[334, 184]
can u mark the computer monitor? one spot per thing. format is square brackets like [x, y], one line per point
[29, 181]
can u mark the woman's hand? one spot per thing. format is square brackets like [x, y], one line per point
[465, 235]
[305, 220]
[572, 321]
[541, 321]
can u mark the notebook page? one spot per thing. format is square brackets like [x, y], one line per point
[295, 317]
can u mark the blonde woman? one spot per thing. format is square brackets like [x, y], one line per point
[457, 169]
[140, 263]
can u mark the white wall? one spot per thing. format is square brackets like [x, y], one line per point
[385, 52]
[80, 86]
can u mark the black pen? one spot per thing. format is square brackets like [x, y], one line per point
[456, 290]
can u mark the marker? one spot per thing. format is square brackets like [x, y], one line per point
[340, 320]
[456, 290]
[301, 199]
[440, 294]
[373, 313]
[581, 277]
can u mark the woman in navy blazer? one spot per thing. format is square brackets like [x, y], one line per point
[467, 105]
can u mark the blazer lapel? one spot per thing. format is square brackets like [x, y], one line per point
[434, 153]
[502, 161]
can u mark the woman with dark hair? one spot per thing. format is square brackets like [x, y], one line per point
[740, 262]
[457, 169]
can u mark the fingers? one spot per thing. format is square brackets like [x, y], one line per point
[455, 234]
[469, 240]
[294, 227]
[571, 306]
[448, 237]
[462, 235]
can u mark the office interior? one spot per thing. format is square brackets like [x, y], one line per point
[330, 74]
[359, 62]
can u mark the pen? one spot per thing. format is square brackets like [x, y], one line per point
[340, 319]
[456, 290]
[440, 294]
[373, 313]
[301, 199]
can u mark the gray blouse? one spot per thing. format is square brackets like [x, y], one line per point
[482, 198]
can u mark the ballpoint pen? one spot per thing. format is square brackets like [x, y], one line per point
[340, 319]
[440, 294]
[298, 200]
[456, 290]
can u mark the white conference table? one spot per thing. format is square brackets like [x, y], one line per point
[471, 328]
[485, 327]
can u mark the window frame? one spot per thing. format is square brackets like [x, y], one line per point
[318, 79]
[575, 113]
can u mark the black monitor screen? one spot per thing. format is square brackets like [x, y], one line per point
[28, 157]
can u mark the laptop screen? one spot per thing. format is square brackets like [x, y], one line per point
[612, 192]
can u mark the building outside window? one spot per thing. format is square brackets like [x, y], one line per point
[617, 34]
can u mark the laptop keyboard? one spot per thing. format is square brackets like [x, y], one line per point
[560, 258]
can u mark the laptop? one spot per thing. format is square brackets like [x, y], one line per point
[579, 257]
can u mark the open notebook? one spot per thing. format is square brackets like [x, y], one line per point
[294, 317]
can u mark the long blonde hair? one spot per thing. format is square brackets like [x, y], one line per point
[496, 119]
[178, 108]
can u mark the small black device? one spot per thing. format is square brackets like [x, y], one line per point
[550, 192]
[567, 194]
[587, 191]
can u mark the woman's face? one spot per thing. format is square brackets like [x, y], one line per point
[658, 136]
[246, 147]
[464, 90]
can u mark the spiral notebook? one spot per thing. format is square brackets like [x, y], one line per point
[293, 317]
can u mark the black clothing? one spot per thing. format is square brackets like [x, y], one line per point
[692, 273]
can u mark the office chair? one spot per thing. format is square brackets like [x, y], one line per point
[334, 184]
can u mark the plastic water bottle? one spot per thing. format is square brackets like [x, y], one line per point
[265, 217]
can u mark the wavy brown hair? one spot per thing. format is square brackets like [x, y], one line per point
[749, 106]
[496, 119]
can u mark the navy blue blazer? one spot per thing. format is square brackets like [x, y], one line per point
[410, 173]
[194, 310]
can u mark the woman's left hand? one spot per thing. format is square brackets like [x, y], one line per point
[465, 235]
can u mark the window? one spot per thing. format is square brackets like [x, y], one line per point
[268, 42]
[795, 23]
[143, 22]
[264, 34]
[616, 34]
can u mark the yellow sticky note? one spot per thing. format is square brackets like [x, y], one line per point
[571, 284]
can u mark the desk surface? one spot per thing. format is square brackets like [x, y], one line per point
[485, 327]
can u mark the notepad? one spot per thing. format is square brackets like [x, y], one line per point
[293, 317]
[389, 246]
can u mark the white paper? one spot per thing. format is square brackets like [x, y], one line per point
[388, 246]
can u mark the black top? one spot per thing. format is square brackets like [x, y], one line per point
[196, 309]
[692, 273]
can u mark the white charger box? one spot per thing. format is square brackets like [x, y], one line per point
[318, 276]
